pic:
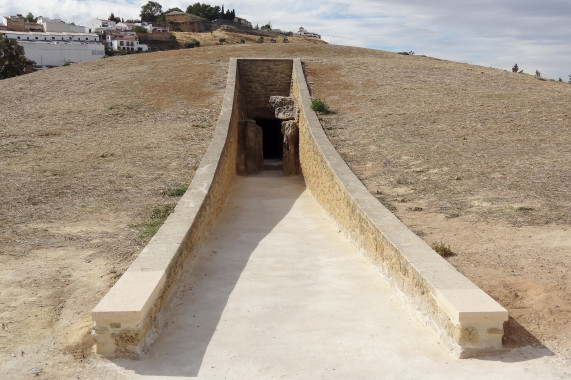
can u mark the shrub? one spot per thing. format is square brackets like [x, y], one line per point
[221, 40]
[442, 249]
[66, 64]
[196, 42]
[260, 40]
[189, 44]
[273, 40]
[317, 105]
[285, 40]
[242, 41]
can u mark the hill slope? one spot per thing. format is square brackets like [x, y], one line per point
[477, 158]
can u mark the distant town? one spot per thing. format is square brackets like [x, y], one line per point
[52, 42]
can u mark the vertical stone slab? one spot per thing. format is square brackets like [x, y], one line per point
[241, 155]
[253, 144]
[290, 156]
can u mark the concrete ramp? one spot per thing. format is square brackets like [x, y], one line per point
[278, 292]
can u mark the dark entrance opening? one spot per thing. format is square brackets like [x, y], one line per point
[272, 138]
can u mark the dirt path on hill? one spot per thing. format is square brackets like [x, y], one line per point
[474, 157]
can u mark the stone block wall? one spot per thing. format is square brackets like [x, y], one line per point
[260, 79]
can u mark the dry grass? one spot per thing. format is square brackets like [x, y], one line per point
[89, 150]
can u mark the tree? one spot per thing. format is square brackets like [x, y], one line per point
[30, 17]
[13, 62]
[175, 9]
[205, 10]
[151, 11]
[515, 68]
[537, 73]
[140, 29]
[113, 18]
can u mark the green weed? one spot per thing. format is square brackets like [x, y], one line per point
[158, 216]
[442, 249]
[317, 105]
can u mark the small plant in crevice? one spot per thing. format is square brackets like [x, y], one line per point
[158, 216]
[318, 105]
[175, 190]
[442, 249]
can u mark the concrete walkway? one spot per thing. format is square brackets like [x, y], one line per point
[278, 292]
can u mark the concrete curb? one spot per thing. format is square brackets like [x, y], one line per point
[466, 319]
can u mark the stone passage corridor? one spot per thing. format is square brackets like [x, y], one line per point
[278, 292]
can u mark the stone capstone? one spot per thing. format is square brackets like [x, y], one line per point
[284, 107]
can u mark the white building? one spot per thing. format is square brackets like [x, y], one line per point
[99, 26]
[56, 49]
[58, 26]
[126, 41]
[305, 33]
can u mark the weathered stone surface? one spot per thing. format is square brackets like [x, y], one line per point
[253, 144]
[241, 154]
[250, 157]
[284, 107]
[290, 158]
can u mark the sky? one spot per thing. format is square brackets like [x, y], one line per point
[493, 33]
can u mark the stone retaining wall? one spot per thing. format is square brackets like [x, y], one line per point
[127, 318]
[466, 319]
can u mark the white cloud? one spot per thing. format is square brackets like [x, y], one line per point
[492, 33]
